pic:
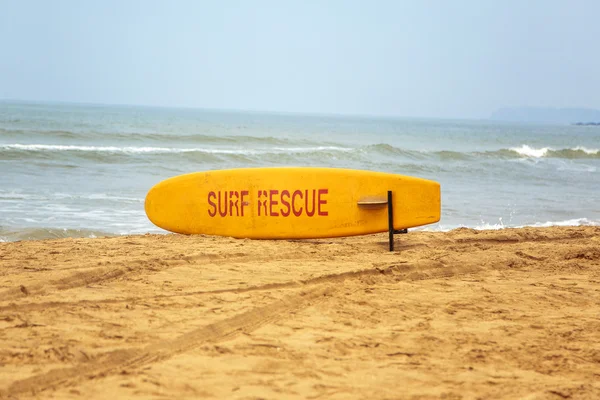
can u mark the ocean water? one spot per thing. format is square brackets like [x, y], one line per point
[84, 170]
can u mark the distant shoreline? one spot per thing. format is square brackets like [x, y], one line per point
[587, 123]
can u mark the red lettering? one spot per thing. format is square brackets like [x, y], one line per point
[312, 212]
[273, 203]
[285, 203]
[297, 213]
[321, 202]
[243, 202]
[212, 204]
[233, 204]
[262, 204]
[222, 212]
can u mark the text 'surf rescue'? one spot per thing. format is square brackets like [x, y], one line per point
[269, 203]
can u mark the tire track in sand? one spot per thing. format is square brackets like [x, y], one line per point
[326, 286]
[135, 267]
[401, 271]
[72, 281]
[152, 265]
[118, 360]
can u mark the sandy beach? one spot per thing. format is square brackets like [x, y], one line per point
[512, 313]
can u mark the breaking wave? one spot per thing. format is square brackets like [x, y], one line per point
[569, 153]
[161, 150]
[292, 153]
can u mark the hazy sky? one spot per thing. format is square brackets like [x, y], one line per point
[406, 58]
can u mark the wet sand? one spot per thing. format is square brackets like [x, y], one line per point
[513, 313]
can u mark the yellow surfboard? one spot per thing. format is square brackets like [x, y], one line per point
[290, 203]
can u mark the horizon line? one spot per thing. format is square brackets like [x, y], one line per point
[239, 110]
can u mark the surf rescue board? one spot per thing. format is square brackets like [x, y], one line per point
[290, 203]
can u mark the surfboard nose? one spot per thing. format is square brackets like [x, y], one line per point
[161, 207]
[150, 205]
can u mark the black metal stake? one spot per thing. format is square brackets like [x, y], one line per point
[391, 221]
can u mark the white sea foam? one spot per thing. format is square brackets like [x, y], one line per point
[576, 167]
[14, 196]
[111, 149]
[533, 152]
[586, 150]
[568, 222]
[272, 150]
[70, 196]
[527, 151]
[484, 226]
[102, 196]
[163, 150]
